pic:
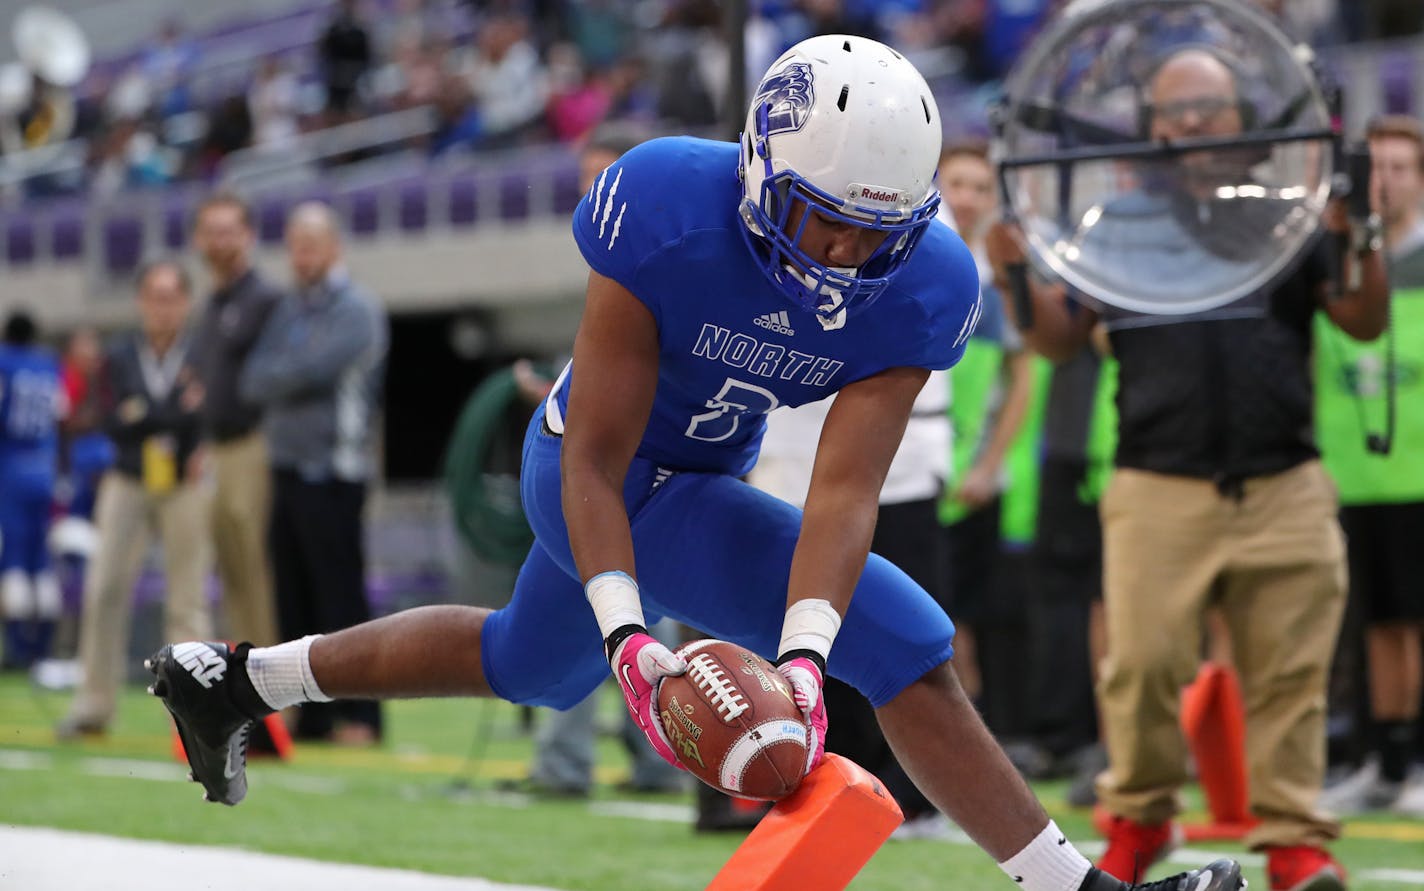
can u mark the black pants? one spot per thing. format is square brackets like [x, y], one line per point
[1068, 568]
[908, 536]
[319, 566]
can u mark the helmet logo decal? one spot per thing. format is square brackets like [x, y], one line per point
[788, 95]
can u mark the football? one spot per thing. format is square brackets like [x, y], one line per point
[732, 721]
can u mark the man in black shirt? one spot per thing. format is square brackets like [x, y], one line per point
[226, 333]
[1218, 499]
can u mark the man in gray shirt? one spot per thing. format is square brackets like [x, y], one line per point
[316, 371]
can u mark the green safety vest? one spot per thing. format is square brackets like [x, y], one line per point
[972, 385]
[974, 380]
[1102, 435]
[1349, 382]
[1020, 512]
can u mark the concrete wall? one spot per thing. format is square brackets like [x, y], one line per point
[528, 277]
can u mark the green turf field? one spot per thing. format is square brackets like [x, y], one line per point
[425, 801]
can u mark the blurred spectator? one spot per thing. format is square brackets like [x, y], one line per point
[129, 156]
[231, 322]
[130, 96]
[1383, 496]
[272, 104]
[31, 406]
[508, 80]
[89, 451]
[150, 410]
[229, 129]
[414, 74]
[166, 66]
[1007, 30]
[991, 394]
[578, 96]
[833, 17]
[691, 64]
[602, 30]
[631, 95]
[316, 370]
[458, 122]
[345, 55]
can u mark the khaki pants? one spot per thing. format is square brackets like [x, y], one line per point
[126, 517]
[1273, 563]
[240, 508]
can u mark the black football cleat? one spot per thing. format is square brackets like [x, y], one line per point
[202, 685]
[1219, 875]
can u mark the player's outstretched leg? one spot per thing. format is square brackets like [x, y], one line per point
[216, 692]
[942, 743]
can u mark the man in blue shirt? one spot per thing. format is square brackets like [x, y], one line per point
[31, 402]
[726, 280]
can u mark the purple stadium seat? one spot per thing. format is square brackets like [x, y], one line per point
[175, 226]
[1397, 74]
[20, 239]
[68, 231]
[271, 218]
[364, 215]
[123, 243]
[567, 193]
[464, 201]
[514, 195]
[413, 204]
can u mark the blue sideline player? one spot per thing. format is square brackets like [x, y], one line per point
[726, 280]
[31, 404]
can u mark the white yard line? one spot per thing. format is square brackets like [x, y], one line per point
[55, 860]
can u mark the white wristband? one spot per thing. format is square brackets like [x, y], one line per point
[614, 598]
[809, 625]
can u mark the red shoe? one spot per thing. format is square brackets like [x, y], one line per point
[1303, 868]
[1133, 848]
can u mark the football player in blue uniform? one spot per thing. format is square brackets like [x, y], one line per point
[31, 403]
[726, 280]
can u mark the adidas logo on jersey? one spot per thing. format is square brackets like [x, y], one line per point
[202, 662]
[775, 321]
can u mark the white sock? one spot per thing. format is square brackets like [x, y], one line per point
[283, 675]
[1048, 863]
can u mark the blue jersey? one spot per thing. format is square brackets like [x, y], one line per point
[662, 221]
[31, 396]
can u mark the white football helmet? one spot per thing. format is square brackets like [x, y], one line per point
[848, 125]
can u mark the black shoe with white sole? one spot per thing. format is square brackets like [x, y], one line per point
[1219, 875]
[205, 688]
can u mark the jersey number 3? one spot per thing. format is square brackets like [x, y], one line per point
[736, 398]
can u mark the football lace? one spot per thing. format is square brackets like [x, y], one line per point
[714, 683]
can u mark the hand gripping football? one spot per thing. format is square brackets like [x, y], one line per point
[732, 722]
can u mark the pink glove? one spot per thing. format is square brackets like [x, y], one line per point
[805, 678]
[640, 663]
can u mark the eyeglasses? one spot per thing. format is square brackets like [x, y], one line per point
[1206, 108]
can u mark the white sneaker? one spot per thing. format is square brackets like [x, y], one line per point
[1364, 791]
[1410, 802]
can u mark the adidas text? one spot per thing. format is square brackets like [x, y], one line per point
[775, 321]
